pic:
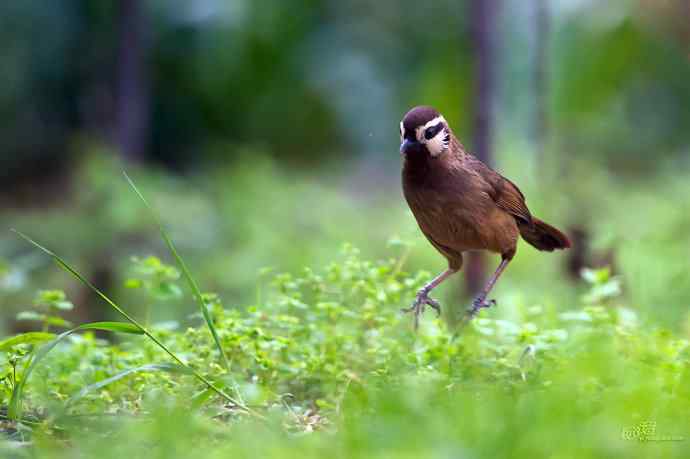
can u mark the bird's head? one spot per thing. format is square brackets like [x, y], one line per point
[424, 131]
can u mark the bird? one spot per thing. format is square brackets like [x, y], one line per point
[462, 205]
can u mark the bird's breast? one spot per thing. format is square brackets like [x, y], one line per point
[450, 208]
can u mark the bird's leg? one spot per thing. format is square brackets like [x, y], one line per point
[423, 298]
[480, 302]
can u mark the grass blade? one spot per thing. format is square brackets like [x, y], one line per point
[25, 338]
[131, 320]
[119, 327]
[169, 367]
[185, 271]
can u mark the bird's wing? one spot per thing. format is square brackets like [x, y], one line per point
[505, 193]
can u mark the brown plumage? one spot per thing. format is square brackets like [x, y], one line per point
[461, 204]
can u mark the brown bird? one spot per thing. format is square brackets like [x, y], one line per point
[462, 205]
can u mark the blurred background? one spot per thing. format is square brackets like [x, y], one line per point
[266, 135]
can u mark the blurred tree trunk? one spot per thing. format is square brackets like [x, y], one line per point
[540, 78]
[132, 85]
[484, 33]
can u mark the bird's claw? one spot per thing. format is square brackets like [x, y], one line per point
[478, 304]
[423, 299]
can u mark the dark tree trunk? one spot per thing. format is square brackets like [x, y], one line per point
[132, 85]
[484, 34]
[540, 77]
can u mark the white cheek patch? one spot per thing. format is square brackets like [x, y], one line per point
[437, 144]
[402, 131]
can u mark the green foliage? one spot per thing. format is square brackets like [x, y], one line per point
[158, 279]
[169, 367]
[14, 410]
[185, 271]
[330, 366]
[50, 305]
[132, 325]
[603, 285]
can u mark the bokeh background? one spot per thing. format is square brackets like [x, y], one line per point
[265, 133]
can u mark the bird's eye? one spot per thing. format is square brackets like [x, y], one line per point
[431, 132]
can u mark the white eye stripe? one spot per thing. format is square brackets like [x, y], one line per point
[421, 129]
[435, 121]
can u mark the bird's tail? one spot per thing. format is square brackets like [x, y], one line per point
[544, 236]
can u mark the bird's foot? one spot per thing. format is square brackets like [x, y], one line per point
[420, 303]
[478, 304]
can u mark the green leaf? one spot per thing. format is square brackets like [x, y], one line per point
[58, 321]
[30, 315]
[201, 397]
[167, 367]
[25, 338]
[167, 291]
[119, 327]
[49, 296]
[596, 276]
[133, 283]
[53, 299]
[63, 305]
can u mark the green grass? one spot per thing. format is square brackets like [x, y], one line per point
[333, 368]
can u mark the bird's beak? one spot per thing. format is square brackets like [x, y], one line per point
[406, 146]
